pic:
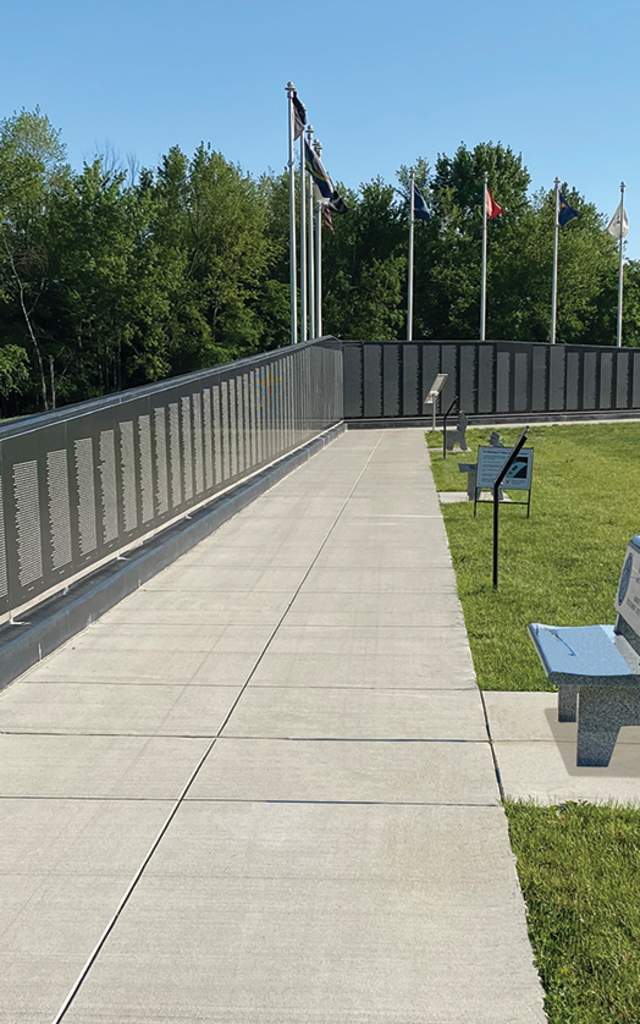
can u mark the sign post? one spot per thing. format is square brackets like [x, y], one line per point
[444, 427]
[503, 476]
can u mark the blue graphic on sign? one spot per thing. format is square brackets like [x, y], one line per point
[625, 579]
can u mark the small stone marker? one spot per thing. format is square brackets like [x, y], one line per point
[471, 469]
[457, 436]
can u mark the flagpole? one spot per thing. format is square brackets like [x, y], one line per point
[483, 279]
[318, 149]
[620, 266]
[410, 267]
[311, 248]
[303, 244]
[554, 280]
[293, 272]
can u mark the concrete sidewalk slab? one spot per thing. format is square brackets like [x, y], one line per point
[421, 534]
[279, 506]
[348, 771]
[281, 556]
[85, 664]
[534, 716]
[226, 579]
[380, 581]
[122, 767]
[352, 610]
[341, 713]
[547, 774]
[441, 650]
[130, 636]
[64, 864]
[113, 709]
[387, 556]
[536, 754]
[404, 502]
[240, 906]
[177, 607]
[371, 671]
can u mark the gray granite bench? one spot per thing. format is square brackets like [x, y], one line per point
[597, 669]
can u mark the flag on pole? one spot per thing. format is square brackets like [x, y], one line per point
[493, 209]
[322, 180]
[337, 203]
[299, 115]
[618, 226]
[420, 209]
[318, 172]
[565, 212]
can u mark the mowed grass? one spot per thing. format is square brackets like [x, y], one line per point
[562, 565]
[579, 868]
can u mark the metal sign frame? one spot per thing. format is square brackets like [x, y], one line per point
[505, 485]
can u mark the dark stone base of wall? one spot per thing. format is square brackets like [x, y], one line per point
[498, 419]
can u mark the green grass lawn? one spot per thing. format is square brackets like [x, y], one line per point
[562, 565]
[579, 868]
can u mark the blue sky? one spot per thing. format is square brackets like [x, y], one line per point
[382, 82]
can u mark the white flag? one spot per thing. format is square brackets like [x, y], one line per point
[619, 223]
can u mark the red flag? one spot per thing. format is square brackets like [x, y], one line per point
[492, 208]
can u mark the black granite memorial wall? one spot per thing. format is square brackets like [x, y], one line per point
[389, 379]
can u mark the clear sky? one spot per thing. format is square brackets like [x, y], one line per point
[383, 82]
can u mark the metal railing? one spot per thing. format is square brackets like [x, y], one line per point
[83, 483]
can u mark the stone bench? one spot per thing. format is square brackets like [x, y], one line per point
[597, 669]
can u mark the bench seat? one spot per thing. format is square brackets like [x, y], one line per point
[595, 683]
[585, 654]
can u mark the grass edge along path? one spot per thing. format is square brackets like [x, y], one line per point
[579, 870]
[560, 566]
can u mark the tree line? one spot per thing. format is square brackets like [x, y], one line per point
[113, 276]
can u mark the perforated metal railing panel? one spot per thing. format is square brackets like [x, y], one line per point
[78, 485]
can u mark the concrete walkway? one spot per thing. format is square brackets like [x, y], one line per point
[260, 790]
[536, 754]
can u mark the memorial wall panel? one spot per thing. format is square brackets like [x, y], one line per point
[59, 508]
[161, 460]
[80, 484]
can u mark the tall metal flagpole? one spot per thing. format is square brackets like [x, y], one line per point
[318, 149]
[303, 244]
[293, 273]
[311, 249]
[620, 265]
[483, 276]
[410, 267]
[554, 282]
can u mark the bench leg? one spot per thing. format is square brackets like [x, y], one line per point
[567, 703]
[598, 728]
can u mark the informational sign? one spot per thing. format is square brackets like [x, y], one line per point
[491, 461]
[436, 388]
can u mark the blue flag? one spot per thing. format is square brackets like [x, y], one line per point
[420, 210]
[565, 212]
